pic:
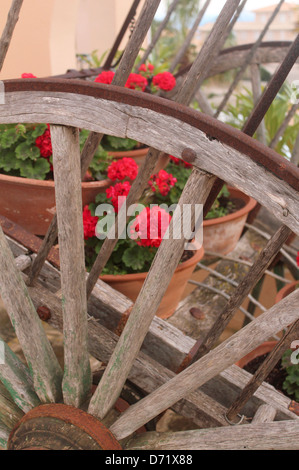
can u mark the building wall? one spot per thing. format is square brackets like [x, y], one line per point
[50, 33]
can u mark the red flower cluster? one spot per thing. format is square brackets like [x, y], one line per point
[150, 226]
[119, 190]
[147, 70]
[136, 82]
[89, 223]
[165, 81]
[178, 161]
[105, 77]
[121, 169]
[297, 259]
[28, 75]
[43, 142]
[162, 182]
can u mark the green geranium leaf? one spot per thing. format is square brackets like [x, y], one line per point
[136, 257]
[8, 138]
[35, 170]
[112, 143]
[39, 130]
[26, 151]
[8, 161]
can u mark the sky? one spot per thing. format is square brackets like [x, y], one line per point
[216, 6]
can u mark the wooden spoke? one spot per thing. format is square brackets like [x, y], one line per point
[224, 355]
[10, 414]
[244, 288]
[154, 287]
[42, 362]
[189, 37]
[18, 381]
[4, 435]
[12, 19]
[248, 60]
[67, 174]
[282, 435]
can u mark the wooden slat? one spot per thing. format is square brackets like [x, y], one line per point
[269, 436]
[67, 175]
[217, 360]
[18, 381]
[12, 19]
[264, 414]
[146, 126]
[42, 362]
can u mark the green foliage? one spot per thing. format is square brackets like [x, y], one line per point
[117, 144]
[19, 155]
[237, 114]
[291, 383]
[93, 60]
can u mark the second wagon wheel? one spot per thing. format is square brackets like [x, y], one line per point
[60, 412]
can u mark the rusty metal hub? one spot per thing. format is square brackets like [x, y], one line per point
[61, 427]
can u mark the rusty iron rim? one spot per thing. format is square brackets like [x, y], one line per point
[78, 418]
[214, 129]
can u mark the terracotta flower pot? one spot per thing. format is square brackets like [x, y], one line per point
[130, 284]
[221, 235]
[262, 349]
[31, 203]
[286, 290]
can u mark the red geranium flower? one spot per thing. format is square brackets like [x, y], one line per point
[89, 223]
[150, 226]
[121, 169]
[28, 75]
[117, 191]
[165, 81]
[105, 77]
[163, 181]
[136, 82]
[178, 161]
[297, 259]
[43, 142]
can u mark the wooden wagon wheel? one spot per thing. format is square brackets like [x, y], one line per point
[215, 150]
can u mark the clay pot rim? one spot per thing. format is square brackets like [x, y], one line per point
[263, 348]
[286, 290]
[249, 205]
[140, 276]
[49, 183]
[134, 153]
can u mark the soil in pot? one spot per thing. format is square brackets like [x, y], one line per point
[275, 378]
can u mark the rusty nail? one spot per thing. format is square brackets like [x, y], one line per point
[197, 313]
[285, 212]
[188, 155]
[44, 313]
